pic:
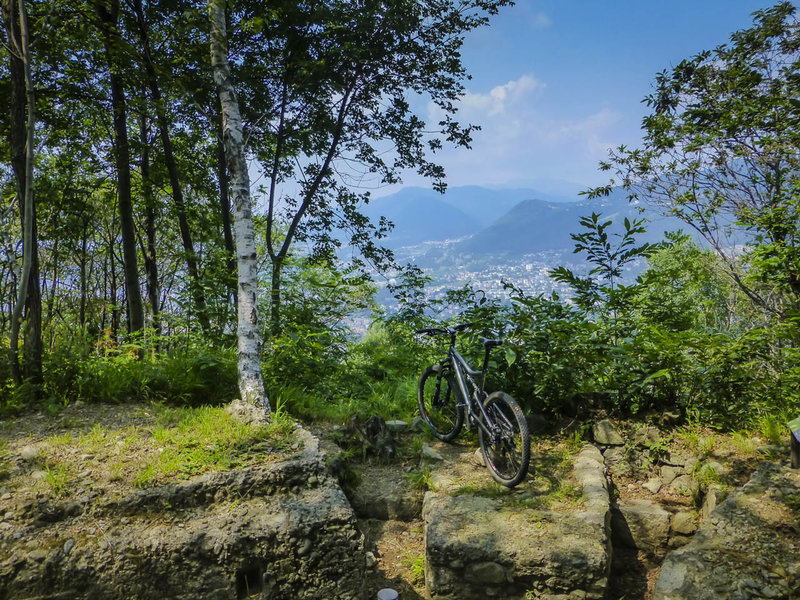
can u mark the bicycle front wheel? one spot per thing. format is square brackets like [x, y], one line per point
[507, 459]
[438, 403]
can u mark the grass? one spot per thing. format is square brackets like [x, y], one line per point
[57, 477]
[420, 479]
[196, 440]
[174, 443]
[415, 563]
[555, 493]
[5, 468]
[772, 429]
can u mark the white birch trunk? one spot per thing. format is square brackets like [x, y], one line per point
[27, 190]
[251, 383]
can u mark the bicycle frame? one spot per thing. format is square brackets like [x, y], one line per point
[463, 371]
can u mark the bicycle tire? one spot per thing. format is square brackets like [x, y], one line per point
[509, 458]
[444, 415]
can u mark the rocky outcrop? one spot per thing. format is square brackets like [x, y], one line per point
[479, 547]
[748, 548]
[285, 531]
[641, 525]
[386, 498]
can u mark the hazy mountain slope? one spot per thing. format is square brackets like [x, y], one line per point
[535, 226]
[422, 215]
[418, 219]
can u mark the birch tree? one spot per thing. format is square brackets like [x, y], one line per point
[16, 22]
[251, 383]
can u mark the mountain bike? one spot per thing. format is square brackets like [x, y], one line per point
[445, 401]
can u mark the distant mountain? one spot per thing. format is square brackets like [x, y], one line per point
[535, 226]
[420, 218]
[423, 215]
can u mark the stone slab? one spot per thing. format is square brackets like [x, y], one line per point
[476, 547]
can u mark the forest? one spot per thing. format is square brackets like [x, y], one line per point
[181, 195]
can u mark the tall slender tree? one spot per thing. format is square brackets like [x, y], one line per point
[251, 383]
[108, 12]
[23, 127]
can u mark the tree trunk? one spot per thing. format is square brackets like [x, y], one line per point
[251, 383]
[275, 296]
[109, 29]
[23, 124]
[172, 169]
[84, 283]
[150, 264]
[225, 209]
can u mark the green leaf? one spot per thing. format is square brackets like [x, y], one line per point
[511, 356]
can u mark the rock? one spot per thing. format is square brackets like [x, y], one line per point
[670, 418]
[39, 475]
[386, 499]
[37, 555]
[616, 460]
[718, 468]
[647, 436]
[684, 484]
[396, 426]
[487, 572]
[684, 522]
[641, 524]
[371, 561]
[606, 434]
[675, 459]
[477, 458]
[743, 549]
[431, 455]
[29, 452]
[670, 473]
[259, 531]
[710, 501]
[475, 550]
[653, 485]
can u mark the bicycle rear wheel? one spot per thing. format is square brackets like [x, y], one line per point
[508, 458]
[438, 403]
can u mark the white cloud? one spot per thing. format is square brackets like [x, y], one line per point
[497, 100]
[520, 138]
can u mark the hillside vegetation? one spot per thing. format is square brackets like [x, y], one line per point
[708, 330]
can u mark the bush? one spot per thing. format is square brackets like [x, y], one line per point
[191, 376]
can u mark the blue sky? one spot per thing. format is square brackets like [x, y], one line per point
[556, 83]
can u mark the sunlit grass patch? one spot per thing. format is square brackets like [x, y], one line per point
[415, 563]
[56, 478]
[163, 444]
[190, 441]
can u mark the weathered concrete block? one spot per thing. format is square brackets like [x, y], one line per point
[477, 548]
